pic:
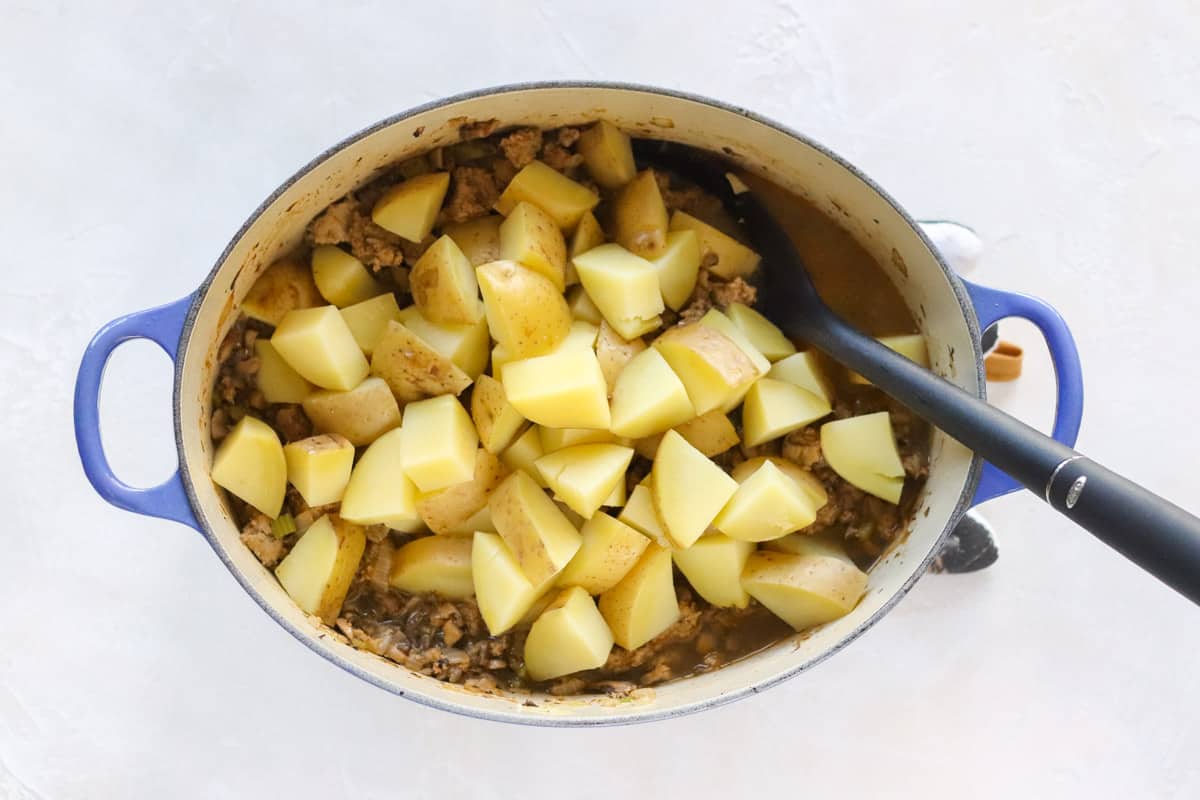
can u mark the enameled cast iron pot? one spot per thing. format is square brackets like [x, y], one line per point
[951, 313]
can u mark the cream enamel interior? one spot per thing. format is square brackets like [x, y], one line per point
[757, 146]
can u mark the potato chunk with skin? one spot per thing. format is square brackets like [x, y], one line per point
[760, 331]
[319, 467]
[564, 389]
[582, 334]
[412, 368]
[863, 451]
[379, 493]
[553, 439]
[502, 591]
[584, 475]
[767, 505]
[318, 571]
[569, 636]
[639, 513]
[734, 259]
[711, 433]
[531, 238]
[804, 370]
[526, 313]
[556, 194]
[609, 550]
[712, 367]
[582, 307]
[608, 154]
[285, 286]
[250, 464]
[688, 490]
[341, 278]
[623, 286]
[438, 447]
[910, 345]
[775, 408]
[713, 566]
[410, 208]
[806, 590]
[497, 422]
[831, 544]
[614, 351]
[718, 321]
[541, 538]
[443, 285]
[277, 381]
[640, 216]
[368, 320]
[588, 234]
[448, 510]
[362, 414]
[678, 266]
[317, 344]
[643, 604]
[648, 397]
[523, 454]
[437, 564]
[479, 239]
[465, 345]
[806, 480]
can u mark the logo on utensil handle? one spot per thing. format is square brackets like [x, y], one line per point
[1076, 490]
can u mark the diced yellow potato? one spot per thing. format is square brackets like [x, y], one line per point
[379, 493]
[718, 321]
[318, 571]
[341, 278]
[616, 498]
[557, 438]
[368, 320]
[410, 208]
[831, 544]
[438, 564]
[613, 351]
[479, 239]
[465, 345]
[285, 286]
[443, 285]
[497, 422]
[581, 306]
[760, 331]
[584, 475]
[481, 520]
[806, 590]
[522, 454]
[863, 451]
[623, 286]
[775, 408]
[588, 234]
[711, 433]
[502, 591]
[609, 550]
[449, 510]
[569, 636]
[733, 258]
[317, 343]
[541, 538]
[640, 216]
[803, 369]
[639, 514]
[642, 605]
[438, 447]
[412, 368]
[648, 397]
[556, 194]
[806, 480]
[582, 334]
[910, 345]
[526, 313]
[531, 238]
[277, 381]
[712, 367]
[500, 357]
[688, 490]
[608, 154]
[713, 566]
[678, 266]
[362, 414]
[319, 467]
[564, 389]
[767, 505]
[250, 465]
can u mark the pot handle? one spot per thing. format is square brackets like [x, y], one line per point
[164, 326]
[992, 305]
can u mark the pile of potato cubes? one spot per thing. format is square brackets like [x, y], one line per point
[523, 489]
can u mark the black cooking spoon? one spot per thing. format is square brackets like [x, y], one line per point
[1157, 535]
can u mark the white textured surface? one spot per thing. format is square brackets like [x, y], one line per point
[136, 139]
